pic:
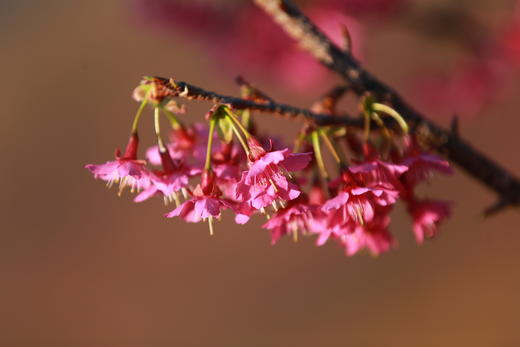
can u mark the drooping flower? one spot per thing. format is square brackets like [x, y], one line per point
[427, 215]
[327, 226]
[373, 236]
[267, 179]
[292, 219]
[360, 194]
[205, 203]
[421, 164]
[126, 170]
[379, 173]
[174, 177]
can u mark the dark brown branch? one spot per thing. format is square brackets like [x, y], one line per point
[171, 88]
[448, 143]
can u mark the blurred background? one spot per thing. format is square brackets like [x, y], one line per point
[81, 267]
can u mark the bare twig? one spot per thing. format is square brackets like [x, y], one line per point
[189, 91]
[448, 143]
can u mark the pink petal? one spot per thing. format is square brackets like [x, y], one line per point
[335, 203]
[241, 219]
[297, 161]
[274, 157]
[181, 210]
[146, 194]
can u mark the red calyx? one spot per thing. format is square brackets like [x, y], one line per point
[131, 148]
[168, 164]
[208, 185]
[256, 150]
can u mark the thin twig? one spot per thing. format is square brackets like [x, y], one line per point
[186, 90]
[447, 143]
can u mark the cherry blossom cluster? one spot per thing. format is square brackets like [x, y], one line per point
[223, 163]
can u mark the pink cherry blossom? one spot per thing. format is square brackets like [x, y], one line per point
[427, 215]
[174, 177]
[292, 219]
[267, 178]
[353, 236]
[126, 170]
[379, 173]
[167, 184]
[262, 192]
[226, 161]
[421, 164]
[373, 237]
[200, 207]
[327, 225]
[357, 204]
[362, 191]
[204, 204]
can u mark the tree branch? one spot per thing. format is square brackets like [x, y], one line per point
[447, 143]
[173, 88]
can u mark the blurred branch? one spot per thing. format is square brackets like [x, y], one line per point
[449, 144]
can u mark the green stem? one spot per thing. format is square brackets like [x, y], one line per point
[392, 113]
[237, 122]
[138, 114]
[212, 123]
[331, 147]
[239, 137]
[157, 127]
[317, 153]
[367, 126]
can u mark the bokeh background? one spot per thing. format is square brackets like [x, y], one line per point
[81, 267]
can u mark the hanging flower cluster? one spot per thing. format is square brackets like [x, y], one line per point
[224, 164]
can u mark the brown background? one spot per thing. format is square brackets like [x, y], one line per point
[81, 267]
